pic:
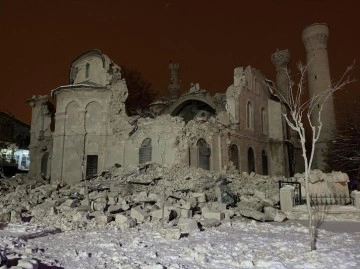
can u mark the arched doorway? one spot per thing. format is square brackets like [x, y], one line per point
[251, 160]
[265, 167]
[145, 151]
[44, 165]
[234, 156]
[204, 154]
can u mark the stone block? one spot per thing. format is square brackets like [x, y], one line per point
[259, 194]
[172, 233]
[15, 216]
[356, 196]
[213, 215]
[208, 223]
[139, 214]
[83, 208]
[218, 206]
[169, 214]
[156, 215]
[69, 202]
[79, 217]
[247, 204]
[96, 214]
[153, 196]
[275, 214]
[113, 209]
[287, 194]
[82, 190]
[189, 203]
[105, 218]
[200, 197]
[121, 218]
[112, 200]
[125, 221]
[229, 213]
[188, 226]
[253, 214]
[101, 200]
[52, 211]
[125, 206]
[98, 206]
[185, 213]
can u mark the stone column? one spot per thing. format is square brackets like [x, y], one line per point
[174, 87]
[40, 130]
[287, 194]
[315, 40]
[356, 196]
[280, 60]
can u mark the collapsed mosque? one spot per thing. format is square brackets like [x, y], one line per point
[242, 129]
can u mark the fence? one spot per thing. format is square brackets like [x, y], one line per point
[330, 199]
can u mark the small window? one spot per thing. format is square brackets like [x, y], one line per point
[264, 163]
[249, 116]
[91, 165]
[145, 151]
[204, 153]
[234, 156]
[263, 121]
[251, 160]
[87, 70]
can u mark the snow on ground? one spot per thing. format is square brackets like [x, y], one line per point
[235, 244]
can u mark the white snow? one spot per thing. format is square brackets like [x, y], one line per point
[235, 244]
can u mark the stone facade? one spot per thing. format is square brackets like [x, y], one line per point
[241, 129]
[93, 132]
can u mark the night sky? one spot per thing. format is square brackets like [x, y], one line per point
[40, 38]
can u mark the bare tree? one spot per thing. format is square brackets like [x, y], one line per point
[298, 114]
[141, 93]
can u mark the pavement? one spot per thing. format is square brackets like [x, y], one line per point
[331, 226]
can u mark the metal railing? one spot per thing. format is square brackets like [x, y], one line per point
[330, 199]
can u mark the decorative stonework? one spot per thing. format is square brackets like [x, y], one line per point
[174, 87]
[280, 59]
[317, 41]
[315, 36]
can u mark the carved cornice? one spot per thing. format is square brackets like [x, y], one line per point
[317, 41]
[315, 36]
[280, 59]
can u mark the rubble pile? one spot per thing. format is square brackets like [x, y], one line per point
[181, 198]
[330, 185]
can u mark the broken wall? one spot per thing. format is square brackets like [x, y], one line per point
[40, 137]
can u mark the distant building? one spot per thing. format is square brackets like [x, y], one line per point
[14, 143]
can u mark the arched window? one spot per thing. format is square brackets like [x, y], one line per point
[72, 117]
[264, 163]
[251, 160]
[87, 70]
[234, 156]
[44, 165]
[145, 151]
[204, 153]
[263, 121]
[249, 116]
[93, 118]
